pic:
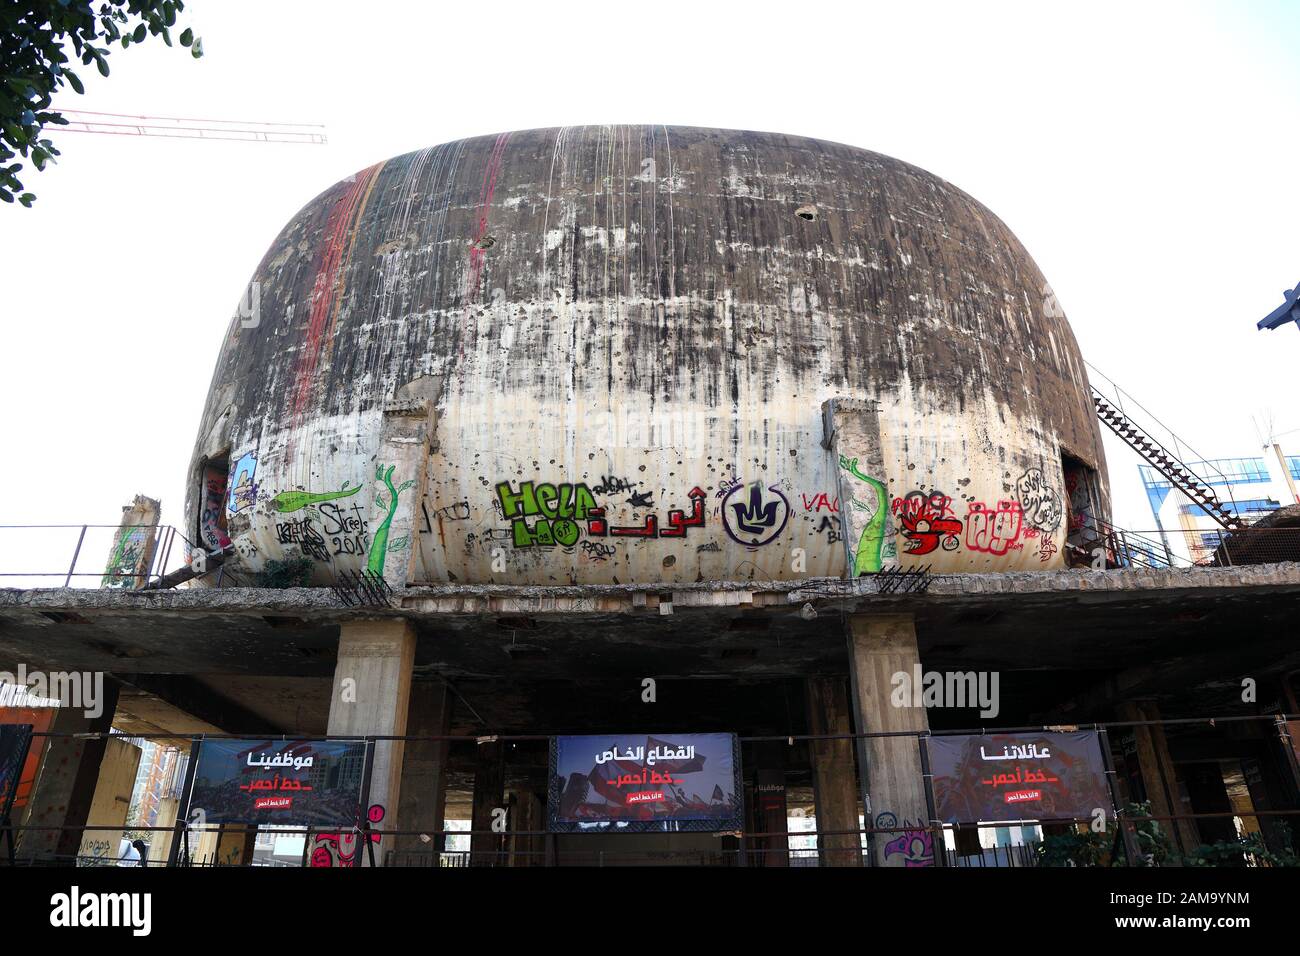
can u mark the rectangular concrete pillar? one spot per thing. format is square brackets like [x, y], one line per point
[160, 841]
[424, 769]
[235, 845]
[489, 795]
[835, 779]
[111, 803]
[131, 556]
[527, 813]
[881, 646]
[770, 805]
[401, 479]
[63, 792]
[1159, 778]
[852, 435]
[371, 696]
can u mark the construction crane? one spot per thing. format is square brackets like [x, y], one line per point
[185, 127]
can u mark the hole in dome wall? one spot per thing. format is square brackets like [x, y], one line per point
[214, 476]
[1084, 533]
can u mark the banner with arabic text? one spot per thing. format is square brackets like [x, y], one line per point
[1023, 776]
[295, 783]
[641, 782]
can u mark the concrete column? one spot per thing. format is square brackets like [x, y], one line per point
[111, 803]
[65, 788]
[424, 770]
[770, 807]
[235, 845]
[489, 794]
[881, 646]
[160, 841]
[371, 696]
[528, 812]
[835, 787]
[401, 478]
[852, 435]
[131, 555]
[1159, 778]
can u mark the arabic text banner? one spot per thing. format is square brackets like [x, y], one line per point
[640, 782]
[296, 783]
[14, 742]
[1025, 776]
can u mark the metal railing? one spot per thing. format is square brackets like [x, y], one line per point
[95, 555]
[1184, 547]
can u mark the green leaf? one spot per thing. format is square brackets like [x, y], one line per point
[27, 199]
[74, 81]
[197, 50]
[6, 195]
[187, 36]
[140, 33]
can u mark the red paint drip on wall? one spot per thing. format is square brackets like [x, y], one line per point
[476, 250]
[335, 247]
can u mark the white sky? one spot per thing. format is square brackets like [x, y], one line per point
[1146, 155]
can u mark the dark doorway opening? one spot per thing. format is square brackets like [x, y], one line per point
[213, 479]
[1085, 530]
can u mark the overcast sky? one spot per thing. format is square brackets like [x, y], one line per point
[1145, 154]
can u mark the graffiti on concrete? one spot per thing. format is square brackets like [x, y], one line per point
[304, 534]
[820, 501]
[1039, 503]
[127, 560]
[287, 502]
[927, 522]
[243, 489]
[757, 515]
[995, 530]
[212, 519]
[610, 485]
[379, 546]
[870, 509]
[915, 845]
[548, 514]
[340, 849]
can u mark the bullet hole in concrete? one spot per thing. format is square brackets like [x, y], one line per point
[807, 213]
[485, 242]
[670, 561]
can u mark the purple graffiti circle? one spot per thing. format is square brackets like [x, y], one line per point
[756, 517]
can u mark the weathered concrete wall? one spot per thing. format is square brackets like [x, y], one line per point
[111, 803]
[644, 323]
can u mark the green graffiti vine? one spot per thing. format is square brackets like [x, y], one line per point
[867, 558]
[379, 543]
[122, 563]
[287, 501]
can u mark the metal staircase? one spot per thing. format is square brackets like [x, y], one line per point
[1165, 462]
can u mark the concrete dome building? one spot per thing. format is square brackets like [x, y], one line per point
[638, 354]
